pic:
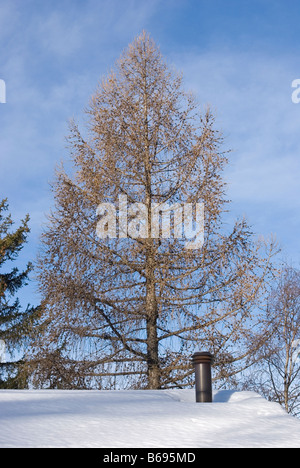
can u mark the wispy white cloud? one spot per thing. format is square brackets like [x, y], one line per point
[58, 35]
[251, 96]
[52, 62]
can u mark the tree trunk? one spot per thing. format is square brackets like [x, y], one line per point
[153, 368]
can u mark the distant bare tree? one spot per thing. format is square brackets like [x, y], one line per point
[130, 310]
[278, 374]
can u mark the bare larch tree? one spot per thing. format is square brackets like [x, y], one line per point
[129, 309]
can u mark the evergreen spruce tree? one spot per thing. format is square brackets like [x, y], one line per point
[15, 323]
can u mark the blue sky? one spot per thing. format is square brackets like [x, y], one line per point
[238, 56]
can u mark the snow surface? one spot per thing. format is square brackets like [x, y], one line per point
[143, 419]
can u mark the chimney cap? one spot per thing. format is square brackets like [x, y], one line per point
[202, 357]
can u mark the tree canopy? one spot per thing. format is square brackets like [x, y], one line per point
[129, 309]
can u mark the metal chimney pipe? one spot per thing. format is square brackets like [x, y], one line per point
[202, 364]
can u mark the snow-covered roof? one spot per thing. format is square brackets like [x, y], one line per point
[143, 418]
